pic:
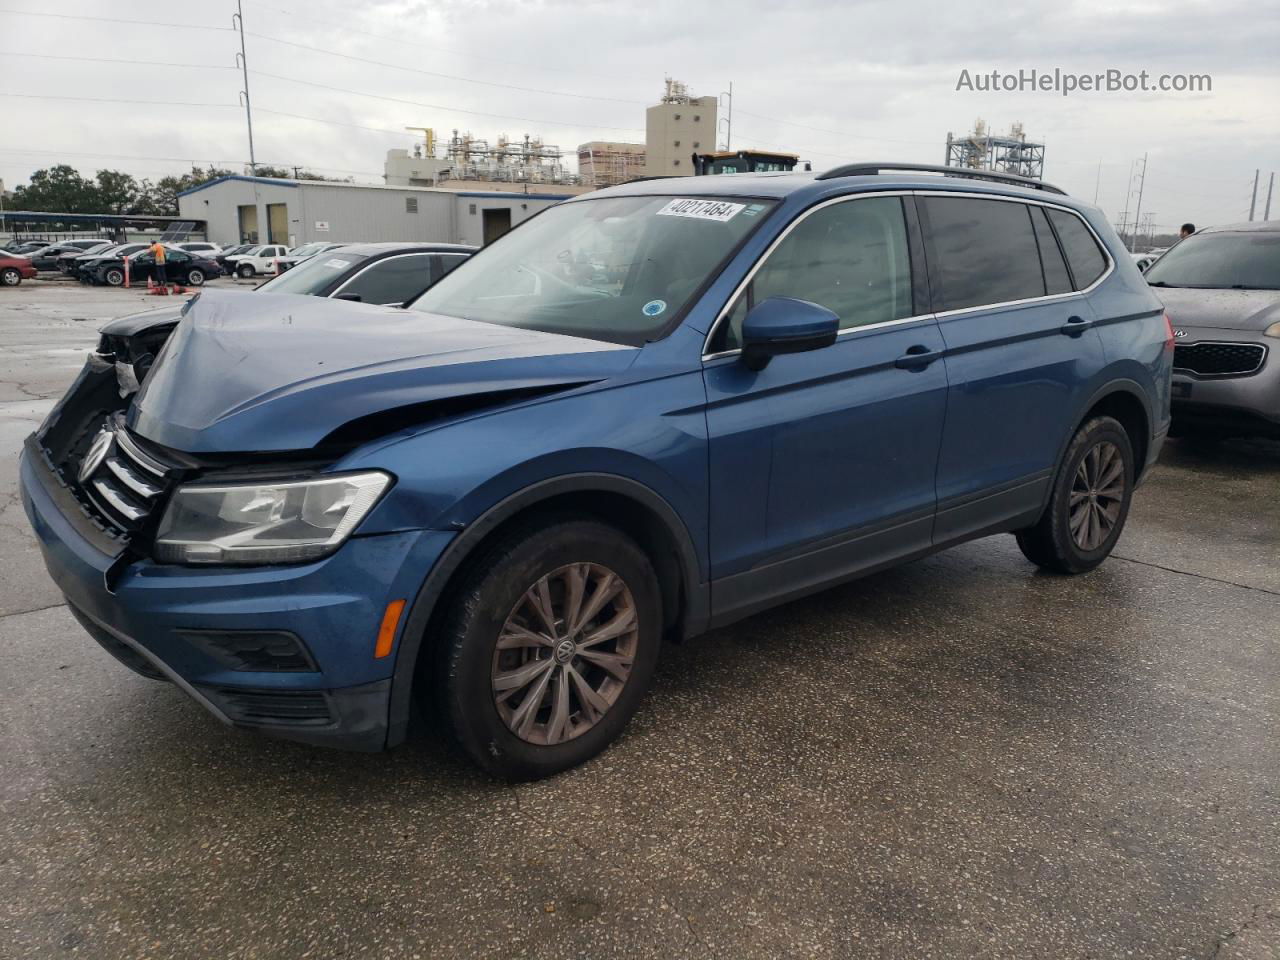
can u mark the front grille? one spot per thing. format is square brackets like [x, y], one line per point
[289, 707]
[1219, 359]
[119, 481]
[271, 651]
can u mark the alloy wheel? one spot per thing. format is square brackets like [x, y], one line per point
[1097, 495]
[565, 653]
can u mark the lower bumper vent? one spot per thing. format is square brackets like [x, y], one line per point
[300, 708]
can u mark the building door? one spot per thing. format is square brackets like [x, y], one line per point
[496, 223]
[277, 223]
[248, 215]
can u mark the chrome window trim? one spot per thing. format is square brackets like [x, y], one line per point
[369, 266]
[845, 198]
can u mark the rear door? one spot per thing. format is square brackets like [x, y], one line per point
[1021, 352]
[822, 464]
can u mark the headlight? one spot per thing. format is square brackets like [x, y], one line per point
[1273, 330]
[283, 522]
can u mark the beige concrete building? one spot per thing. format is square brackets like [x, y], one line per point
[604, 163]
[675, 129]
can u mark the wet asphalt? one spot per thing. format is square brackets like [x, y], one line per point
[962, 757]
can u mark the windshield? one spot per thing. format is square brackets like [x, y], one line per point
[312, 275]
[307, 249]
[614, 268]
[1247, 260]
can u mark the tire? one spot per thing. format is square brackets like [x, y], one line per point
[114, 277]
[195, 278]
[245, 271]
[10, 277]
[1089, 502]
[493, 726]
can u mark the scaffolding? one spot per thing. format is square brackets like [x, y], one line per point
[527, 160]
[604, 164]
[983, 150]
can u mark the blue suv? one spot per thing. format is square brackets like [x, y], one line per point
[649, 411]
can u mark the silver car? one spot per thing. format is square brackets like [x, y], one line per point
[1221, 290]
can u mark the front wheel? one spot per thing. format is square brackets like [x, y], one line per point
[1089, 503]
[10, 277]
[245, 271]
[549, 647]
[114, 277]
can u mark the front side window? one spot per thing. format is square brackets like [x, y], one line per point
[985, 252]
[1231, 260]
[393, 280]
[617, 269]
[312, 276]
[1087, 262]
[851, 257]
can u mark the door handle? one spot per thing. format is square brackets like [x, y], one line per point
[1075, 326]
[917, 357]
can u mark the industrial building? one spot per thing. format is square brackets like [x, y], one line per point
[606, 163]
[246, 209]
[472, 162]
[675, 129]
[984, 150]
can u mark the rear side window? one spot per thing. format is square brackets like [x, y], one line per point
[1083, 255]
[1056, 278]
[984, 250]
[393, 280]
[850, 257]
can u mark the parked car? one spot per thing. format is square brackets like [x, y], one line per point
[14, 269]
[650, 410]
[82, 267]
[1143, 260]
[46, 258]
[180, 267]
[24, 247]
[1221, 287]
[66, 262]
[300, 253]
[198, 248]
[258, 260]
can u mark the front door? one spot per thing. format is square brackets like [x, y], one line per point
[822, 464]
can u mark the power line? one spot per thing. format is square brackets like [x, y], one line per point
[136, 23]
[441, 76]
[438, 106]
[834, 133]
[145, 63]
[147, 103]
[185, 160]
[339, 123]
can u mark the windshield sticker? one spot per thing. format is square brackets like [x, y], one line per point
[752, 209]
[335, 264]
[654, 308]
[717, 210]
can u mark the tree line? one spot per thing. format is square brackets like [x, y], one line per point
[61, 189]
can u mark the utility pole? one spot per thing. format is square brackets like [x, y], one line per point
[728, 122]
[1266, 212]
[1142, 186]
[1253, 204]
[237, 20]
[1128, 195]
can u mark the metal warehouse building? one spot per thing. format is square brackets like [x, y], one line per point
[242, 209]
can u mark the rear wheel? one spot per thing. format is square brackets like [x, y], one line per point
[550, 645]
[10, 277]
[1089, 503]
[195, 277]
[114, 277]
[245, 270]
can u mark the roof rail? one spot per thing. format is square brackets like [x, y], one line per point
[994, 176]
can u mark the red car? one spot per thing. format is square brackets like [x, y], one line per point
[13, 270]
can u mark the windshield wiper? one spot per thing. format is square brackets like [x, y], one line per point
[1160, 283]
[1244, 286]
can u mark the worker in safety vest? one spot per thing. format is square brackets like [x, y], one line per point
[158, 251]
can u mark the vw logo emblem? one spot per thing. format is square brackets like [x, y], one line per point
[565, 650]
[98, 451]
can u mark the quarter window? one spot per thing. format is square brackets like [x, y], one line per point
[1086, 260]
[851, 257]
[985, 252]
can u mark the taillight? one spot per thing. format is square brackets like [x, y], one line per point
[1168, 332]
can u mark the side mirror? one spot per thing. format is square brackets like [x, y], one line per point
[785, 325]
[353, 297]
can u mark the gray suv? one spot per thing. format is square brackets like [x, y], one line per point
[1221, 288]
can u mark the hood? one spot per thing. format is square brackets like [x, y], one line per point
[282, 372]
[136, 323]
[1220, 309]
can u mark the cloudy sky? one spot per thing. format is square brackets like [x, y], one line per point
[832, 81]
